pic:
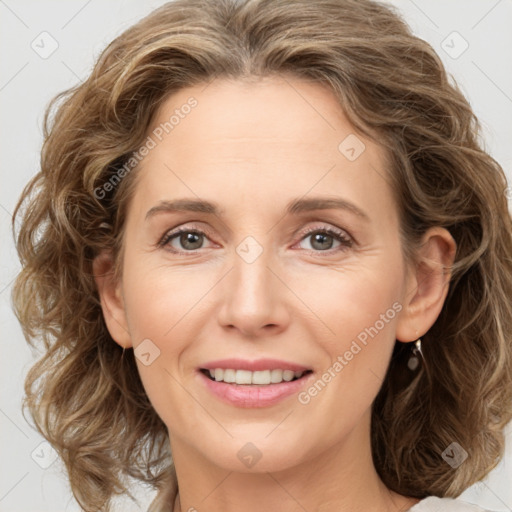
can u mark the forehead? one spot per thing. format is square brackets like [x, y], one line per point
[274, 111]
[280, 136]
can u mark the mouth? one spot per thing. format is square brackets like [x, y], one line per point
[253, 378]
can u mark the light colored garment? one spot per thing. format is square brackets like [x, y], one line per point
[435, 504]
[164, 503]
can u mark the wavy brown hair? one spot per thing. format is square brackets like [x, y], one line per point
[85, 394]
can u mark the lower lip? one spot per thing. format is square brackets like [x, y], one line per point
[253, 396]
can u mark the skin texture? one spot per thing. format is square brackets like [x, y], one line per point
[252, 148]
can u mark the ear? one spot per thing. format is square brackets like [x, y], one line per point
[426, 285]
[111, 298]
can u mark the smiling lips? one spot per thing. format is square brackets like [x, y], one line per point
[253, 383]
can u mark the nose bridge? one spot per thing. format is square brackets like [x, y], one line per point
[251, 280]
[252, 296]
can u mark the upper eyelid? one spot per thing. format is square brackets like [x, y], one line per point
[311, 230]
[193, 227]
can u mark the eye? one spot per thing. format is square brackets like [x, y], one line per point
[322, 239]
[189, 240]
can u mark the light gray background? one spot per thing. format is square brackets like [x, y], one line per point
[81, 29]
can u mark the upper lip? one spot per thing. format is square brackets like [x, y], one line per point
[253, 366]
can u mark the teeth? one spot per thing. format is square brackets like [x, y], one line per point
[229, 376]
[259, 377]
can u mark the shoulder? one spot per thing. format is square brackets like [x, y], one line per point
[435, 504]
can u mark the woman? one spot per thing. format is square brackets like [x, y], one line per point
[335, 336]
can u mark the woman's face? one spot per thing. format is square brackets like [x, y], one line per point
[300, 263]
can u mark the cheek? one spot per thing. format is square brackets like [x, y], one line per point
[163, 308]
[346, 302]
[356, 313]
[162, 303]
[167, 306]
[361, 315]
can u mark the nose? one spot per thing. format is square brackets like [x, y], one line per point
[254, 297]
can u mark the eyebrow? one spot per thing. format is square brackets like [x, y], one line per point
[293, 207]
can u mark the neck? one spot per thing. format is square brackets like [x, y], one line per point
[341, 478]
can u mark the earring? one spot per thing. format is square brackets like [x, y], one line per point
[414, 360]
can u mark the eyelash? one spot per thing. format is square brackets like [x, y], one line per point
[345, 241]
